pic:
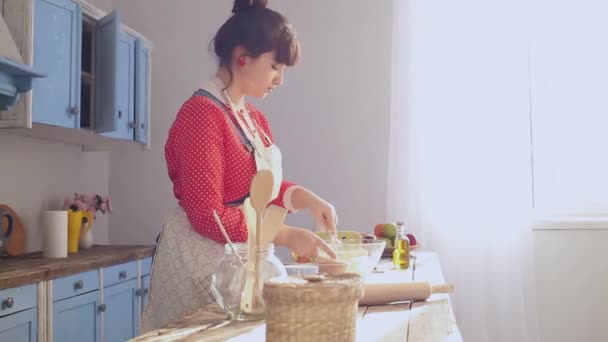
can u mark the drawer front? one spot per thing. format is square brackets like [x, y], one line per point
[18, 298]
[75, 284]
[119, 273]
[146, 266]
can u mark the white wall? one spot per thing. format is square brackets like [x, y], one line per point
[330, 118]
[36, 175]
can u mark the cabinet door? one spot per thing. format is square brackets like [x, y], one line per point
[20, 326]
[142, 91]
[120, 317]
[57, 39]
[145, 285]
[106, 82]
[125, 128]
[77, 319]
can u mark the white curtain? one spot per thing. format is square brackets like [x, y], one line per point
[460, 171]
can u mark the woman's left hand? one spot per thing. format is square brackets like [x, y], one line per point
[325, 213]
[321, 210]
[302, 242]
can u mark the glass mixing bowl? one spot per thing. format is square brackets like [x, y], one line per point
[360, 257]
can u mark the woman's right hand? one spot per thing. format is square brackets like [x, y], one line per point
[302, 242]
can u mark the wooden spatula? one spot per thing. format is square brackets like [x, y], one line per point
[272, 222]
[260, 193]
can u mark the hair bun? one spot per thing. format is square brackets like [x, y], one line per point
[248, 5]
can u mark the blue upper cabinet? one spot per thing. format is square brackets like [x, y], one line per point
[121, 321]
[20, 327]
[142, 91]
[57, 39]
[77, 319]
[107, 55]
[125, 121]
[97, 72]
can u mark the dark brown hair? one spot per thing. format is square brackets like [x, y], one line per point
[259, 30]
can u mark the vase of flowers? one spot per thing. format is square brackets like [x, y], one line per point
[89, 204]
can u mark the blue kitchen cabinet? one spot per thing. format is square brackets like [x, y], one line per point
[18, 313]
[57, 52]
[77, 319]
[142, 91]
[107, 53]
[124, 122]
[121, 321]
[145, 285]
[20, 327]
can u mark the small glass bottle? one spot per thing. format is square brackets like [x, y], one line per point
[401, 253]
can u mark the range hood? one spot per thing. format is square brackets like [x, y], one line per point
[15, 76]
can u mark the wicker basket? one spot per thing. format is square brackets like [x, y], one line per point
[312, 308]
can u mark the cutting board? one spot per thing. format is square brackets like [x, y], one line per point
[16, 244]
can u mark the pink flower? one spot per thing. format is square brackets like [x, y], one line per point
[81, 205]
[88, 202]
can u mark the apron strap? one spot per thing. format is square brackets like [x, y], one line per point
[246, 142]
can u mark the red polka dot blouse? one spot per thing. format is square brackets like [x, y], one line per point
[210, 167]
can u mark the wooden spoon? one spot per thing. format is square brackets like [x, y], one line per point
[260, 194]
[272, 223]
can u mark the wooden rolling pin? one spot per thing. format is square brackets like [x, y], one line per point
[379, 293]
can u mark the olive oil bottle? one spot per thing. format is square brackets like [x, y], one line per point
[401, 253]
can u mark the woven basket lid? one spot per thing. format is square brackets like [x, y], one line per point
[311, 289]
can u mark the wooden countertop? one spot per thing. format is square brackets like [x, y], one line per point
[429, 320]
[32, 267]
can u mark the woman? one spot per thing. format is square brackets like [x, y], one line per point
[215, 146]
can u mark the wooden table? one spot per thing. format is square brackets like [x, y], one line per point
[430, 320]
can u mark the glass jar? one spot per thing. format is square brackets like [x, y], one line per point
[228, 280]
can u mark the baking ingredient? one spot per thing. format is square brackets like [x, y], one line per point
[401, 253]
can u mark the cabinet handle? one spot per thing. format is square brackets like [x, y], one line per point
[122, 275]
[8, 303]
[75, 110]
[146, 291]
[131, 125]
[78, 285]
[139, 292]
[101, 308]
[142, 126]
[119, 113]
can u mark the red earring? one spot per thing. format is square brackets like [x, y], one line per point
[242, 61]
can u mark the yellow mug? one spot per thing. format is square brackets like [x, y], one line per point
[74, 225]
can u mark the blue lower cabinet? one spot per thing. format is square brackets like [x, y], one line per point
[145, 284]
[120, 318]
[20, 327]
[77, 319]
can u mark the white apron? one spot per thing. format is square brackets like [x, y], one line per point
[184, 260]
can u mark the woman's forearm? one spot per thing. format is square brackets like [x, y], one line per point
[302, 198]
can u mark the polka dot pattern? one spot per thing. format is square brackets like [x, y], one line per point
[209, 167]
